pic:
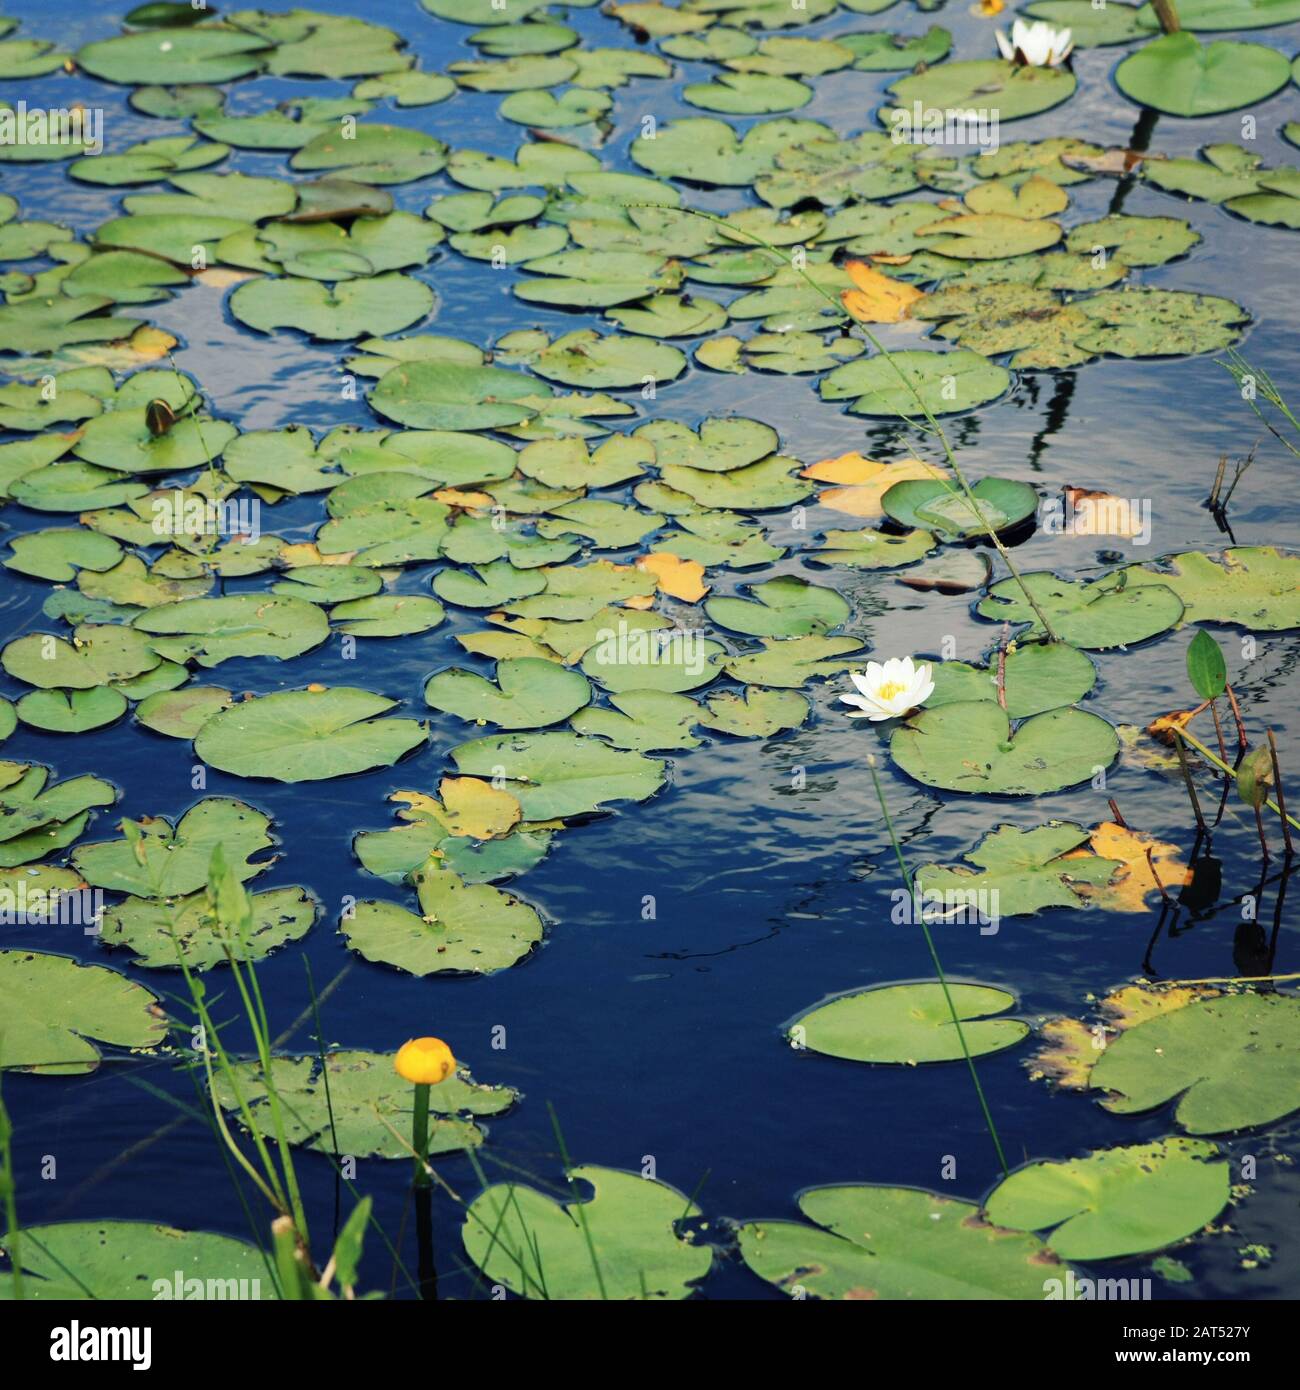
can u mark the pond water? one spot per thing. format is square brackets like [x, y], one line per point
[660, 1041]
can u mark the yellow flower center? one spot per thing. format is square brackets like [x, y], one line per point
[891, 690]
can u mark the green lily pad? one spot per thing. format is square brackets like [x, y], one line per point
[115, 1260]
[1254, 586]
[155, 860]
[560, 774]
[877, 52]
[783, 607]
[212, 630]
[461, 927]
[944, 382]
[1140, 241]
[171, 57]
[790, 662]
[970, 747]
[761, 486]
[73, 711]
[642, 719]
[355, 1103]
[182, 713]
[1095, 27]
[586, 279]
[1094, 615]
[622, 1243]
[56, 1010]
[989, 84]
[388, 615]
[667, 659]
[95, 656]
[595, 360]
[406, 88]
[1178, 74]
[527, 694]
[1230, 1062]
[58, 553]
[908, 1024]
[718, 446]
[709, 151]
[1016, 872]
[545, 111]
[1037, 677]
[1113, 1202]
[307, 735]
[163, 932]
[754, 712]
[372, 154]
[873, 550]
[893, 1243]
[939, 505]
[1200, 15]
[376, 304]
[448, 396]
[988, 236]
[748, 94]
[489, 586]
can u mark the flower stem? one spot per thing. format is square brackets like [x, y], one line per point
[1223, 767]
[420, 1134]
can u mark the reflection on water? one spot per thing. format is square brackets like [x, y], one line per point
[767, 862]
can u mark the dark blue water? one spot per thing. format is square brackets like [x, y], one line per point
[768, 862]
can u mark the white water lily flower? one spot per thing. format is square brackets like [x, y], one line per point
[887, 691]
[1038, 45]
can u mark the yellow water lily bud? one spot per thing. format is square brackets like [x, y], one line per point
[425, 1061]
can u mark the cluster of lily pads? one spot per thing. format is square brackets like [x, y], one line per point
[510, 483]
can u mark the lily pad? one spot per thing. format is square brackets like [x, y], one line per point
[115, 1260]
[465, 928]
[1093, 614]
[790, 662]
[970, 747]
[1126, 1201]
[155, 860]
[622, 1244]
[163, 932]
[1230, 1062]
[642, 719]
[355, 1103]
[893, 1243]
[171, 57]
[1037, 677]
[212, 630]
[56, 1010]
[375, 304]
[1016, 872]
[989, 84]
[909, 382]
[754, 712]
[95, 656]
[1178, 74]
[73, 711]
[560, 774]
[307, 735]
[783, 607]
[939, 505]
[527, 694]
[1254, 586]
[908, 1024]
